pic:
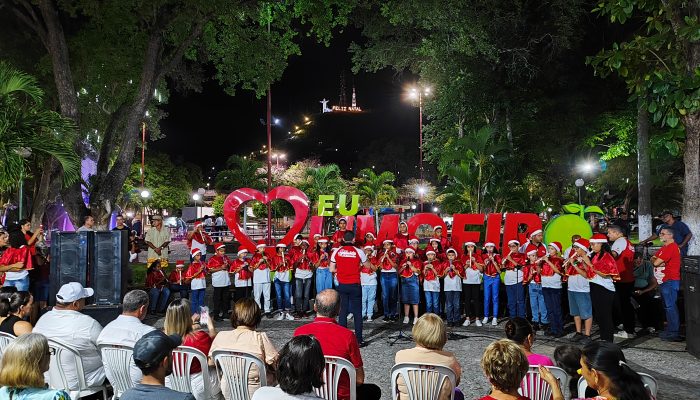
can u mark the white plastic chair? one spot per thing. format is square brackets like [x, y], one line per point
[422, 381]
[118, 359]
[234, 367]
[57, 379]
[535, 388]
[5, 339]
[335, 366]
[181, 379]
[649, 383]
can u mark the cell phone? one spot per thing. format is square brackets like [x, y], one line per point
[204, 315]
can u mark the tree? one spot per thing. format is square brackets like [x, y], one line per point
[421, 190]
[168, 184]
[324, 179]
[31, 132]
[241, 172]
[660, 64]
[110, 60]
[375, 189]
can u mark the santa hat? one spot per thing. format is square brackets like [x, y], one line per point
[436, 227]
[306, 242]
[194, 252]
[556, 245]
[197, 223]
[599, 238]
[342, 219]
[413, 240]
[261, 243]
[281, 246]
[387, 241]
[369, 246]
[370, 234]
[242, 251]
[410, 250]
[323, 240]
[531, 250]
[180, 263]
[487, 244]
[317, 235]
[513, 241]
[219, 246]
[403, 223]
[298, 236]
[435, 240]
[430, 252]
[582, 243]
[451, 250]
[470, 243]
[535, 232]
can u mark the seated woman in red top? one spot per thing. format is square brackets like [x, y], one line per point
[505, 365]
[158, 288]
[180, 321]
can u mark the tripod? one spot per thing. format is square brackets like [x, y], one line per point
[400, 335]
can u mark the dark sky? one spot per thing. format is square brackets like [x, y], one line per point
[206, 128]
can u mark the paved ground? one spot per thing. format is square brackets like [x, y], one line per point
[677, 372]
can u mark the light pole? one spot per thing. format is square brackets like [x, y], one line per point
[196, 198]
[579, 184]
[417, 94]
[421, 192]
[277, 157]
[145, 194]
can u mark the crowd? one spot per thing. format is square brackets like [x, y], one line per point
[294, 371]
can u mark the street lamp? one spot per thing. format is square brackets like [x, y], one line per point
[196, 197]
[421, 192]
[277, 157]
[417, 93]
[436, 210]
[579, 184]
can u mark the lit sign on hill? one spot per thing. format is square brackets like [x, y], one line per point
[346, 109]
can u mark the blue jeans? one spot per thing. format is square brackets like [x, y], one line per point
[283, 290]
[369, 295]
[452, 306]
[669, 293]
[389, 282]
[197, 299]
[302, 291]
[539, 309]
[516, 300]
[324, 280]
[491, 284]
[158, 299]
[184, 290]
[552, 298]
[432, 302]
[351, 302]
[22, 285]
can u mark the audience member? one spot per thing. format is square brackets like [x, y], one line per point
[245, 318]
[88, 224]
[22, 370]
[300, 369]
[14, 309]
[568, 358]
[681, 233]
[667, 269]
[158, 289]
[127, 329]
[79, 331]
[153, 356]
[505, 364]
[430, 336]
[645, 285]
[338, 341]
[521, 332]
[180, 321]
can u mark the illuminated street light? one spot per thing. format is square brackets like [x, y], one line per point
[145, 194]
[421, 191]
[435, 209]
[579, 184]
[418, 94]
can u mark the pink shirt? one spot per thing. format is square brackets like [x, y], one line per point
[539, 359]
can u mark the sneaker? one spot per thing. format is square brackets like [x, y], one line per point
[485, 321]
[369, 319]
[350, 316]
[577, 337]
[387, 318]
[620, 327]
[405, 320]
[289, 317]
[280, 317]
[494, 322]
[415, 319]
[651, 329]
[478, 322]
[586, 340]
[467, 322]
[535, 326]
[624, 335]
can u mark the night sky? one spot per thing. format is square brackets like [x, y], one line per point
[206, 128]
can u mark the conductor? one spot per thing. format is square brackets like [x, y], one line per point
[346, 262]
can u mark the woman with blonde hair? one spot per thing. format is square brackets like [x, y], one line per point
[505, 364]
[430, 336]
[245, 319]
[180, 321]
[22, 372]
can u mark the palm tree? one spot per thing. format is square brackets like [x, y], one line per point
[241, 172]
[324, 179]
[460, 195]
[376, 189]
[28, 129]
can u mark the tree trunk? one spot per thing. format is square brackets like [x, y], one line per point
[509, 128]
[691, 186]
[643, 174]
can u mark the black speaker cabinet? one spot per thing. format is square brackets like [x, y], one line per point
[70, 259]
[102, 314]
[110, 257]
[691, 287]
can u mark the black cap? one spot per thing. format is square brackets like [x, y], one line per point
[153, 347]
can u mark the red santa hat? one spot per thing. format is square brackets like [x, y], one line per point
[513, 241]
[306, 242]
[180, 263]
[435, 240]
[197, 223]
[430, 252]
[281, 246]
[582, 243]
[556, 246]
[410, 250]
[470, 243]
[535, 232]
[492, 244]
[403, 223]
[387, 241]
[195, 251]
[218, 246]
[599, 238]
[323, 240]
[451, 250]
[261, 243]
[370, 234]
[436, 227]
[317, 235]
[413, 239]
[369, 246]
[531, 250]
[298, 236]
[242, 251]
[342, 219]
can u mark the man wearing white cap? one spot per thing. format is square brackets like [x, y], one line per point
[79, 331]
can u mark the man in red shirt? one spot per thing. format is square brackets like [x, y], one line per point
[346, 263]
[667, 269]
[338, 341]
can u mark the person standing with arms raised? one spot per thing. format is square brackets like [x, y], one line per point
[347, 262]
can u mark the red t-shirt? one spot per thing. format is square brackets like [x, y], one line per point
[201, 341]
[671, 254]
[401, 240]
[336, 341]
[348, 262]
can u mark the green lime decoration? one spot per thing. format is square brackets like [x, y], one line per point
[561, 228]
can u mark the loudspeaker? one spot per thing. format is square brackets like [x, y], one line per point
[691, 288]
[70, 260]
[102, 314]
[110, 256]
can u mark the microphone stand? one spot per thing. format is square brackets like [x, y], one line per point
[400, 335]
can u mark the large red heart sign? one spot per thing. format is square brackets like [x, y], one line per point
[238, 197]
